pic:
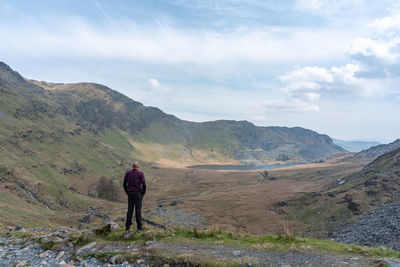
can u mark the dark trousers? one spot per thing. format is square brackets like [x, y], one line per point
[134, 202]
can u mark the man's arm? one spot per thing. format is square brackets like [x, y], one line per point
[125, 184]
[143, 185]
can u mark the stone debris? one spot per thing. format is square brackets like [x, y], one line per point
[175, 218]
[381, 228]
[60, 255]
[236, 253]
[128, 234]
[80, 250]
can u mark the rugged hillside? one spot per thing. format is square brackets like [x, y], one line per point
[349, 197]
[162, 137]
[355, 146]
[379, 150]
[157, 136]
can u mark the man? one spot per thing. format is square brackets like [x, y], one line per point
[135, 188]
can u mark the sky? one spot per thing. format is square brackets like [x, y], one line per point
[329, 66]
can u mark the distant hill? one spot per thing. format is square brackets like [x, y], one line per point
[355, 146]
[378, 150]
[62, 142]
[154, 135]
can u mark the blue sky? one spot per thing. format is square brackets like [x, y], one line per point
[330, 66]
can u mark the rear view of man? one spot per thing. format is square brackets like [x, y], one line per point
[135, 188]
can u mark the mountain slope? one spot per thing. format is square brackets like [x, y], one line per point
[98, 108]
[379, 150]
[349, 197]
[355, 146]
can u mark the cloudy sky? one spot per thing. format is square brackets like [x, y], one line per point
[330, 66]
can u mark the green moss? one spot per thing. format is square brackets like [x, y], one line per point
[81, 240]
[48, 245]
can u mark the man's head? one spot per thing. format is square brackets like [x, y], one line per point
[135, 165]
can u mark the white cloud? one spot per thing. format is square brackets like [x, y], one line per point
[380, 48]
[154, 83]
[259, 118]
[309, 4]
[386, 23]
[171, 45]
[344, 80]
[334, 8]
[304, 86]
[311, 96]
[307, 77]
[290, 105]
[157, 87]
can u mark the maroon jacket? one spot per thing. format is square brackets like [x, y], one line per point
[134, 181]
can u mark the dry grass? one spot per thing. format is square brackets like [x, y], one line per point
[242, 200]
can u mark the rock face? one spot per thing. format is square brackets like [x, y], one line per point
[379, 150]
[377, 229]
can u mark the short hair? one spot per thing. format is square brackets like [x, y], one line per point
[135, 164]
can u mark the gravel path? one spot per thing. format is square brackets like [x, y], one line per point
[20, 252]
[267, 258]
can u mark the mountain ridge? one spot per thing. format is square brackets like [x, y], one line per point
[354, 145]
[376, 151]
[103, 107]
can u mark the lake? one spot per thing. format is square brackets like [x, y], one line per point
[241, 167]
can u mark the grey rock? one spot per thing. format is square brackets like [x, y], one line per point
[236, 253]
[86, 219]
[392, 263]
[22, 263]
[80, 250]
[381, 228]
[60, 255]
[128, 235]
[149, 243]
[113, 225]
[114, 258]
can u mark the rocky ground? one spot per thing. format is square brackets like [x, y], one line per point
[46, 247]
[381, 228]
[175, 218]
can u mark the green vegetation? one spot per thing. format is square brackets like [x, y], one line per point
[48, 245]
[283, 242]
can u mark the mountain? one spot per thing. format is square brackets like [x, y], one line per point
[379, 150]
[97, 109]
[61, 143]
[355, 146]
[349, 197]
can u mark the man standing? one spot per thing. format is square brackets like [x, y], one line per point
[135, 188]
